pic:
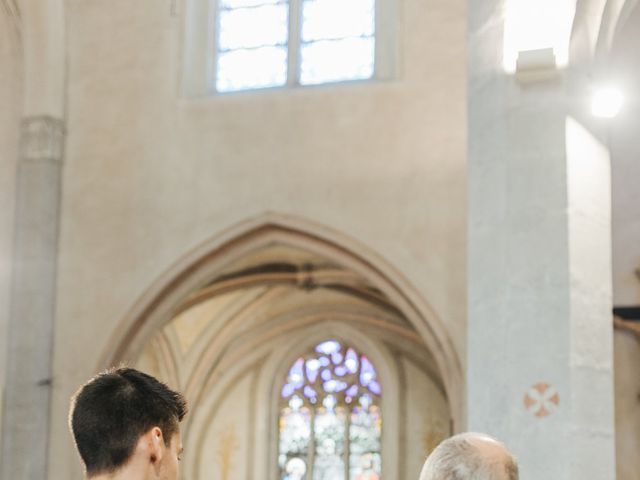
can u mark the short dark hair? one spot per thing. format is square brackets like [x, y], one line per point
[114, 409]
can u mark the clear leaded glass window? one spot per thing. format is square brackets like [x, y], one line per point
[330, 422]
[264, 43]
[252, 44]
[338, 41]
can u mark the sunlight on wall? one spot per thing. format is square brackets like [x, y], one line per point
[534, 25]
[606, 102]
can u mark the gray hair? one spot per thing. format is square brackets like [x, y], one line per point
[458, 458]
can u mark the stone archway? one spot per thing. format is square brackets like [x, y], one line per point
[198, 268]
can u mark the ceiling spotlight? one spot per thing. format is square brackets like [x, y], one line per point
[606, 102]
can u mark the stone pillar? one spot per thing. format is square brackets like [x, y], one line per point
[25, 432]
[539, 359]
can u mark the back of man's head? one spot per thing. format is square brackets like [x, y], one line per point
[470, 456]
[114, 409]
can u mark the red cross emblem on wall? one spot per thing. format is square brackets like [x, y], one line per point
[541, 400]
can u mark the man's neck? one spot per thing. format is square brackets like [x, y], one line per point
[124, 473]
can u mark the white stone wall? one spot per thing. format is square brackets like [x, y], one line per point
[625, 167]
[625, 170]
[626, 211]
[149, 175]
[539, 320]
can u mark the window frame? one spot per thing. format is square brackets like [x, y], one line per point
[201, 39]
[346, 454]
[392, 378]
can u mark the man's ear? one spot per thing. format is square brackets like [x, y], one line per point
[156, 445]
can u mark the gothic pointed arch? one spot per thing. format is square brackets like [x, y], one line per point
[348, 265]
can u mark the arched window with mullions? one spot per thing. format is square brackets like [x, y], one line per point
[272, 43]
[330, 421]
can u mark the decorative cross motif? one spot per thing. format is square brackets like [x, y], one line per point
[541, 400]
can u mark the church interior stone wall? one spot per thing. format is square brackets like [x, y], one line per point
[625, 170]
[158, 181]
[150, 175]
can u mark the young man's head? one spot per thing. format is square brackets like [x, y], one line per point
[123, 419]
[470, 456]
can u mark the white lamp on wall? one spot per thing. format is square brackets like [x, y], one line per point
[536, 38]
[536, 65]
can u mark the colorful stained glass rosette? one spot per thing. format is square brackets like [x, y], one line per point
[330, 407]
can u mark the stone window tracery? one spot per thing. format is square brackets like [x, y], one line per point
[330, 421]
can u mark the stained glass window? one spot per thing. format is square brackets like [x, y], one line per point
[330, 422]
[334, 41]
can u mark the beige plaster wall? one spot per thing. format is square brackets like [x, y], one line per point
[425, 414]
[627, 398]
[10, 102]
[148, 175]
[228, 436]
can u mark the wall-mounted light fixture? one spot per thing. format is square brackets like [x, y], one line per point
[536, 37]
[536, 65]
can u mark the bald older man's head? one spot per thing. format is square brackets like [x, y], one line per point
[470, 456]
